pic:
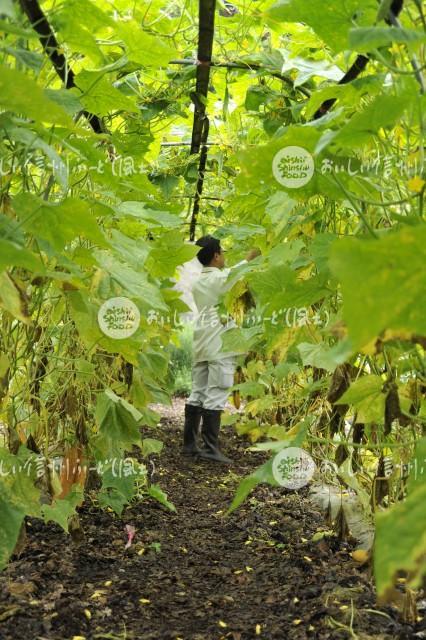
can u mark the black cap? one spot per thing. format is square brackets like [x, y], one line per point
[210, 246]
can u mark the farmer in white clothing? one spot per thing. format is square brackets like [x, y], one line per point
[213, 368]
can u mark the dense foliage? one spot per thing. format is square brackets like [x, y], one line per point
[97, 189]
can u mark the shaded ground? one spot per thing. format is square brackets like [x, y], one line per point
[254, 574]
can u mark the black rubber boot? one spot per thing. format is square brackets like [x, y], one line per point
[210, 435]
[190, 430]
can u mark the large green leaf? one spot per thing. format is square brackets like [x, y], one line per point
[285, 253]
[365, 39]
[33, 141]
[144, 48]
[62, 509]
[22, 95]
[30, 59]
[21, 478]
[77, 22]
[118, 424]
[383, 283]
[310, 68]
[366, 395]
[167, 253]
[240, 340]
[15, 255]
[8, 27]
[11, 517]
[117, 488]
[134, 252]
[66, 98]
[330, 20]
[268, 283]
[12, 298]
[58, 223]
[153, 217]
[400, 542]
[131, 282]
[18, 497]
[279, 288]
[280, 207]
[89, 13]
[154, 362]
[319, 249]
[100, 96]
[382, 112]
[151, 445]
[323, 357]
[301, 293]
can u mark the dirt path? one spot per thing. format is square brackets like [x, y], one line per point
[254, 574]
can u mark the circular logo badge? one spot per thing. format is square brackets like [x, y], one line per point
[119, 318]
[293, 167]
[293, 468]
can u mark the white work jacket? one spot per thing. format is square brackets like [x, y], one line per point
[209, 327]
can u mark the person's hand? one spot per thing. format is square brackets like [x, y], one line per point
[253, 253]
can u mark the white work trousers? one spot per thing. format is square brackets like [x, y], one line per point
[211, 382]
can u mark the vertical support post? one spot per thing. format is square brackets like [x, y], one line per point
[200, 128]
